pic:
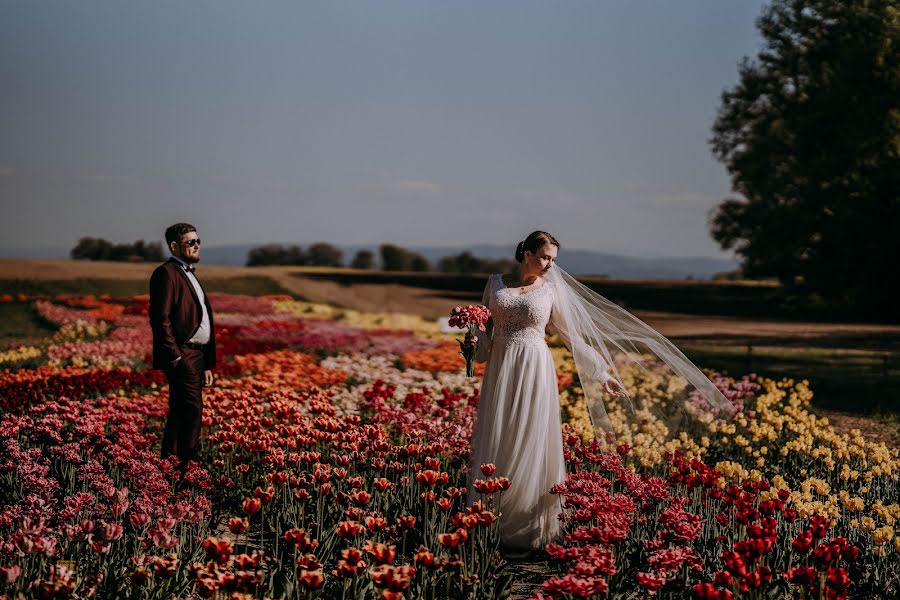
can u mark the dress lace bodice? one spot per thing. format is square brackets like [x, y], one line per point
[519, 317]
[526, 318]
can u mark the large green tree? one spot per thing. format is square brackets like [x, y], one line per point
[810, 136]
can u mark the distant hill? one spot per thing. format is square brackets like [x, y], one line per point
[577, 262]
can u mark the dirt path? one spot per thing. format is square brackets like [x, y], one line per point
[528, 577]
[875, 430]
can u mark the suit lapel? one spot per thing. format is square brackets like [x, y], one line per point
[205, 300]
[190, 285]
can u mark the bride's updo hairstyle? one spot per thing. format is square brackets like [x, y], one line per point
[534, 242]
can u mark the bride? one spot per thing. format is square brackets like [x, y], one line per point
[517, 423]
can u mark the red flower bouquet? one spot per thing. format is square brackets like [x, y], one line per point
[469, 317]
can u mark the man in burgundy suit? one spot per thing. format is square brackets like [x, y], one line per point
[184, 341]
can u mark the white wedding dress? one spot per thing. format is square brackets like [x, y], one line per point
[517, 424]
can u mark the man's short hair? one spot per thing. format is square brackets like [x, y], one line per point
[175, 232]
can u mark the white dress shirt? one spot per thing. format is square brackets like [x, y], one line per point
[201, 336]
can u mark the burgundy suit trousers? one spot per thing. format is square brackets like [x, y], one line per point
[182, 433]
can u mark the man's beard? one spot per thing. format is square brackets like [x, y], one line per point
[190, 259]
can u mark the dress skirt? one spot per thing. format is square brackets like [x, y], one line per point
[517, 428]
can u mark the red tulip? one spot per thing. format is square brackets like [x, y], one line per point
[802, 575]
[452, 540]
[424, 557]
[803, 543]
[138, 520]
[264, 495]
[300, 540]
[708, 591]
[251, 505]
[237, 525]
[217, 550]
[312, 580]
[309, 562]
[383, 554]
[374, 524]
[428, 477]
[651, 581]
[8, 575]
[348, 529]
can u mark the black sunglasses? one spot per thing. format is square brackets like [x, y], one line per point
[192, 242]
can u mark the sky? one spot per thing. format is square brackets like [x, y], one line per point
[416, 123]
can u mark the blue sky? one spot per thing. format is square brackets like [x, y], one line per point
[419, 123]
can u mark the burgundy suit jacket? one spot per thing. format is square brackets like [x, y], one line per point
[175, 315]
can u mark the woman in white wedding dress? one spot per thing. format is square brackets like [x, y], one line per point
[517, 424]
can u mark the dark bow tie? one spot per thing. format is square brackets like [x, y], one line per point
[189, 268]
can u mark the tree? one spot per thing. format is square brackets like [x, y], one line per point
[86, 249]
[394, 258]
[810, 137]
[89, 248]
[321, 254]
[364, 259]
[150, 252]
[419, 263]
[276, 254]
[465, 262]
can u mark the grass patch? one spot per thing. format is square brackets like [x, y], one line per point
[253, 285]
[113, 287]
[20, 325]
[858, 381]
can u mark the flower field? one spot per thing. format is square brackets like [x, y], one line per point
[335, 460]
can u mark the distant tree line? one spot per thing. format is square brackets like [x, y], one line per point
[393, 258]
[319, 254]
[89, 248]
[465, 262]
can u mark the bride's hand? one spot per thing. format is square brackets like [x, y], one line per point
[614, 387]
[470, 340]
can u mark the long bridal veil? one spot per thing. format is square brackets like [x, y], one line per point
[665, 387]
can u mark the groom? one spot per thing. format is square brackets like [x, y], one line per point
[184, 341]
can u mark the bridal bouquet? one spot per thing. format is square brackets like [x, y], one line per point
[469, 317]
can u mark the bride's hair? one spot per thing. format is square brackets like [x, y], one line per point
[534, 242]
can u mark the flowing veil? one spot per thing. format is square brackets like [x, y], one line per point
[666, 385]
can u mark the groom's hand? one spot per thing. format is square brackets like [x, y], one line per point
[207, 378]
